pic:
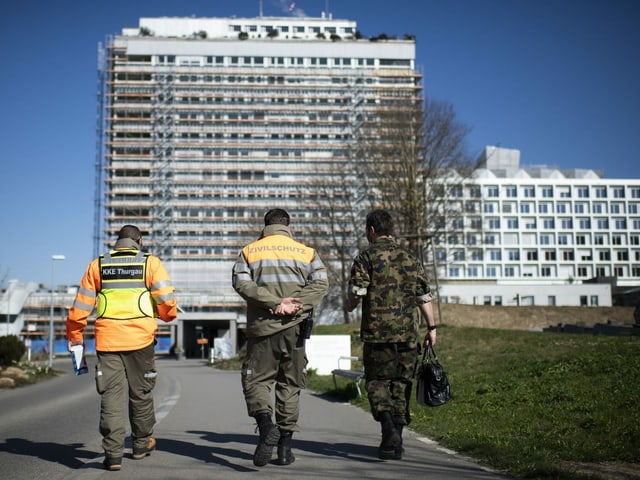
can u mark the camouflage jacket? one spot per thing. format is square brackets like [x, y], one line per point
[392, 283]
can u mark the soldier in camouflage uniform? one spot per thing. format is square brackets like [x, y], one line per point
[394, 288]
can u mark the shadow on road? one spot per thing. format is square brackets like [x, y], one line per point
[68, 455]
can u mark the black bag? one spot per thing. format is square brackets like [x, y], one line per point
[433, 385]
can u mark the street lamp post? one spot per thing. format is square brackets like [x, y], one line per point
[53, 263]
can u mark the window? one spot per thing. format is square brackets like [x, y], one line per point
[621, 223]
[514, 255]
[509, 272]
[495, 255]
[617, 240]
[547, 192]
[497, 300]
[545, 271]
[492, 191]
[562, 208]
[601, 192]
[604, 255]
[489, 207]
[566, 223]
[529, 192]
[567, 255]
[490, 240]
[618, 192]
[532, 255]
[599, 239]
[494, 223]
[563, 239]
[512, 223]
[599, 208]
[602, 223]
[623, 256]
[511, 192]
[594, 300]
[582, 272]
[550, 255]
[584, 224]
[543, 208]
[525, 208]
[583, 192]
[487, 300]
[491, 272]
[581, 208]
[581, 240]
[454, 272]
[472, 272]
[548, 223]
[551, 300]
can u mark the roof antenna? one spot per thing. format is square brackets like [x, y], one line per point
[260, 13]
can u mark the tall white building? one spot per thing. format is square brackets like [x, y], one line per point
[209, 122]
[206, 123]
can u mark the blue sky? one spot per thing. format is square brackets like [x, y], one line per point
[557, 79]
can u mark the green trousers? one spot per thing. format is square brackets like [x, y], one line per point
[388, 371]
[125, 382]
[277, 360]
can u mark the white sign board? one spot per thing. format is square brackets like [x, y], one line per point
[323, 352]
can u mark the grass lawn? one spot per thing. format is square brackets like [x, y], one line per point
[537, 405]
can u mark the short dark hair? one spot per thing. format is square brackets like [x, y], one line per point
[276, 216]
[381, 221]
[130, 231]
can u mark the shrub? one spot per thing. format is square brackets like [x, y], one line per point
[11, 350]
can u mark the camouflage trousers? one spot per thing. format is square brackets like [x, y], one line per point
[389, 369]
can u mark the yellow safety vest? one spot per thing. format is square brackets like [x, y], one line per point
[124, 294]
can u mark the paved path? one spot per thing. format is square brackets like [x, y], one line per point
[204, 432]
[49, 431]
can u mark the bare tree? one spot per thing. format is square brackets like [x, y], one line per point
[408, 157]
[341, 195]
[417, 155]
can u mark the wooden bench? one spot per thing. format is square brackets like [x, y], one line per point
[355, 375]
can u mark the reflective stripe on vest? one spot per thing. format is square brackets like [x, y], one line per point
[124, 294]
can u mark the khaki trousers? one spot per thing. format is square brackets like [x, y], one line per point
[277, 360]
[125, 381]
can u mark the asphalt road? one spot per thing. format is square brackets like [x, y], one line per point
[49, 431]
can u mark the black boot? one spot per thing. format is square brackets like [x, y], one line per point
[399, 449]
[391, 439]
[269, 436]
[285, 455]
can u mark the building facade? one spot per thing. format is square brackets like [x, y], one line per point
[539, 229]
[208, 123]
